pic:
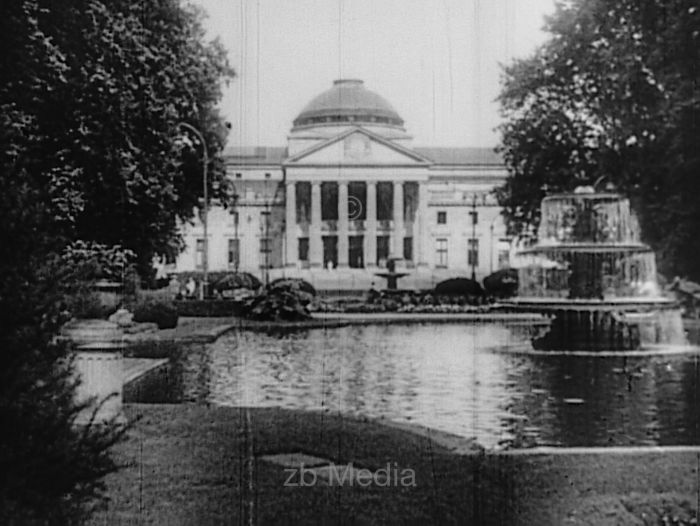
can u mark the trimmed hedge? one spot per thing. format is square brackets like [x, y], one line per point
[209, 308]
[162, 314]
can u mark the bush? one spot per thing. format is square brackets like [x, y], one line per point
[282, 303]
[299, 283]
[161, 313]
[459, 287]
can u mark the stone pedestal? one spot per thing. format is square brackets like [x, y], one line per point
[98, 346]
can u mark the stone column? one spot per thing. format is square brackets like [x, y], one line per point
[398, 230]
[291, 225]
[371, 225]
[315, 242]
[422, 238]
[343, 246]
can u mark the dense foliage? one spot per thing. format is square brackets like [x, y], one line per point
[283, 302]
[97, 121]
[90, 99]
[612, 95]
[164, 314]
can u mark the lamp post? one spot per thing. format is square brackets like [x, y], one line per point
[267, 232]
[205, 163]
[236, 263]
[472, 248]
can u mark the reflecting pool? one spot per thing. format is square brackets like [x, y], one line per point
[472, 380]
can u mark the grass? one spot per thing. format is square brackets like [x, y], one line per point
[186, 464]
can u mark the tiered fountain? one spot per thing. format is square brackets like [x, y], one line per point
[591, 274]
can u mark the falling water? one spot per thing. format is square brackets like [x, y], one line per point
[591, 271]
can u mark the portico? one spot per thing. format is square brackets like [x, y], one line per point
[367, 227]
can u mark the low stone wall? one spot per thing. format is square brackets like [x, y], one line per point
[154, 385]
[208, 308]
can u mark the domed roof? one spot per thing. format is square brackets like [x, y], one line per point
[348, 101]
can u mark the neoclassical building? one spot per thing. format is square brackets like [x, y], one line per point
[348, 192]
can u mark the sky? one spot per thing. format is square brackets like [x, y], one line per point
[436, 61]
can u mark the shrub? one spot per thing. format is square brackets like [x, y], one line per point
[282, 303]
[301, 284]
[161, 313]
[459, 287]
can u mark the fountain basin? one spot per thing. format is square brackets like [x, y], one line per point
[622, 324]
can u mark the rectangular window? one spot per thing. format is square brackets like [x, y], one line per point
[357, 201]
[199, 254]
[385, 201]
[410, 201]
[303, 249]
[473, 252]
[233, 253]
[356, 251]
[441, 246]
[474, 215]
[330, 251]
[382, 250]
[303, 201]
[408, 248]
[329, 201]
[442, 217]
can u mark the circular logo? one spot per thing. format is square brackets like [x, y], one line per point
[354, 208]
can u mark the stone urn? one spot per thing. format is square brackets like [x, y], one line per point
[109, 293]
[99, 363]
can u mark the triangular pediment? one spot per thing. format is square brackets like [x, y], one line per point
[357, 147]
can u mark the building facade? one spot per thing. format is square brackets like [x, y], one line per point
[348, 192]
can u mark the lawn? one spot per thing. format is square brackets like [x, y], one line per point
[186, 464]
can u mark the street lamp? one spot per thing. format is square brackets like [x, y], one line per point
[205, 163]
[472, 248]
[491, 228]
[267, 231]
[234, 202]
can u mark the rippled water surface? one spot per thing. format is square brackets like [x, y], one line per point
[457, 378]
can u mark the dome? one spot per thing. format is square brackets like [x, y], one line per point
[348, 101]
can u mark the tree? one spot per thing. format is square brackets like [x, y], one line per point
[612, 94]
[89, 104]
[134, 71]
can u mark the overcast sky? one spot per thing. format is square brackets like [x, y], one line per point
[435, 61]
